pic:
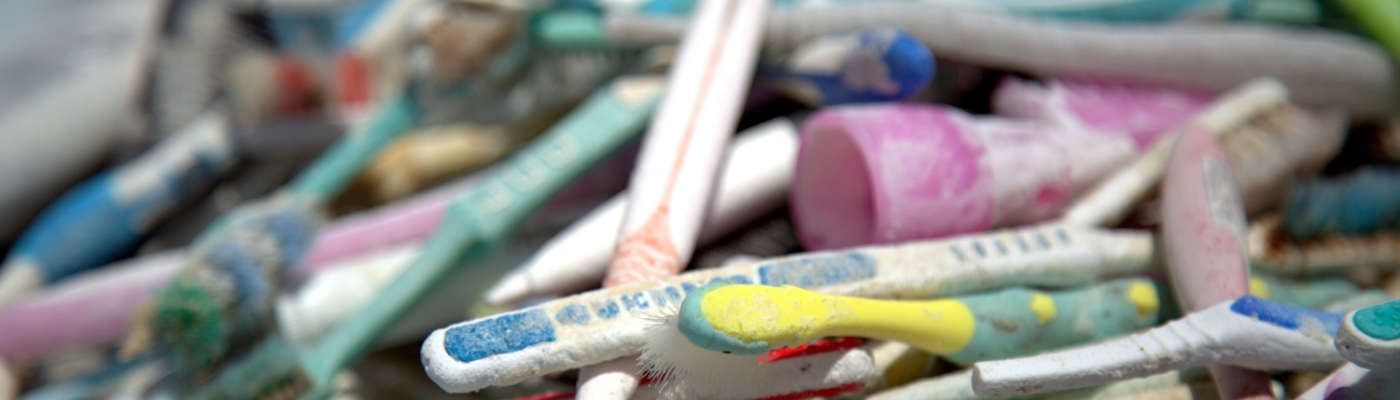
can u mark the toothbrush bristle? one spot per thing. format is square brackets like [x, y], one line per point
[686, 371]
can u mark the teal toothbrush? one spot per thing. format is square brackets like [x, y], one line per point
[224, 292]
[475, 224]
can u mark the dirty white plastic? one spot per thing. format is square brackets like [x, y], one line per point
[1216, 335]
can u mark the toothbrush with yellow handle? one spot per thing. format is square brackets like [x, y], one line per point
[723, 329]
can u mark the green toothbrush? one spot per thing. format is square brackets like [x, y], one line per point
[474, 226]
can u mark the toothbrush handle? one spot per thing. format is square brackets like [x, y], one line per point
[334, 169]
[1248, 332]
[941, 326]
[1178, 345]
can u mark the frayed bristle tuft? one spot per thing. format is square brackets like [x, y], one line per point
[189, 320]
[226, 290]
[683, 370]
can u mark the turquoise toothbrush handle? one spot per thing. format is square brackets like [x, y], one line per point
[332, 171]
[485, 216]
[1370, 337]
[1011, 323]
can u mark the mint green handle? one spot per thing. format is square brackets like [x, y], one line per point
[334, 169]
[476, 223]
[1381, 322]
[1007, 327]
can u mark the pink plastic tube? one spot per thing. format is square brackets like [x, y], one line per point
[402, 222]
[96, 308]
[88, 309]
[889, 173]
[1203, 226]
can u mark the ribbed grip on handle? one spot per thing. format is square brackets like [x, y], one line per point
[1177, 345]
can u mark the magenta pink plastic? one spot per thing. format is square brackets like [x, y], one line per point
[887, 173]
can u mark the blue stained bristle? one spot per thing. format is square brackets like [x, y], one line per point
[250, 281]
[903, 60]
[909, 60]
[1364, 202]
[294, 230]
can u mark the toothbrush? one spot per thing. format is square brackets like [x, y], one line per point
[476, 223]
[750, 320]
[107, 215]
[721, 328]
[123, 287]
[1248, 332]
[1321, 66]
[225, 289]
[1203, 224]
[1370, 337]
[602, 325]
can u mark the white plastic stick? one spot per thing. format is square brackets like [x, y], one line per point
[755, 178]
[671, 186]
[1322, 67]
[1218, 335]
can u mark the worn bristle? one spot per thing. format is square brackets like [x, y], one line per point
[683, 370]
[294, 230]
[1280, 143]
[226, 290]
[189, 320]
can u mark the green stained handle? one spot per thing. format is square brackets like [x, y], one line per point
[1381, 18]
[334, 169]
[1019, 322]
[485, 216]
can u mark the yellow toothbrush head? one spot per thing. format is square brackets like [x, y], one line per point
[753, 319]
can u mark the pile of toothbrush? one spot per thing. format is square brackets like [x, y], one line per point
[709, 199]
